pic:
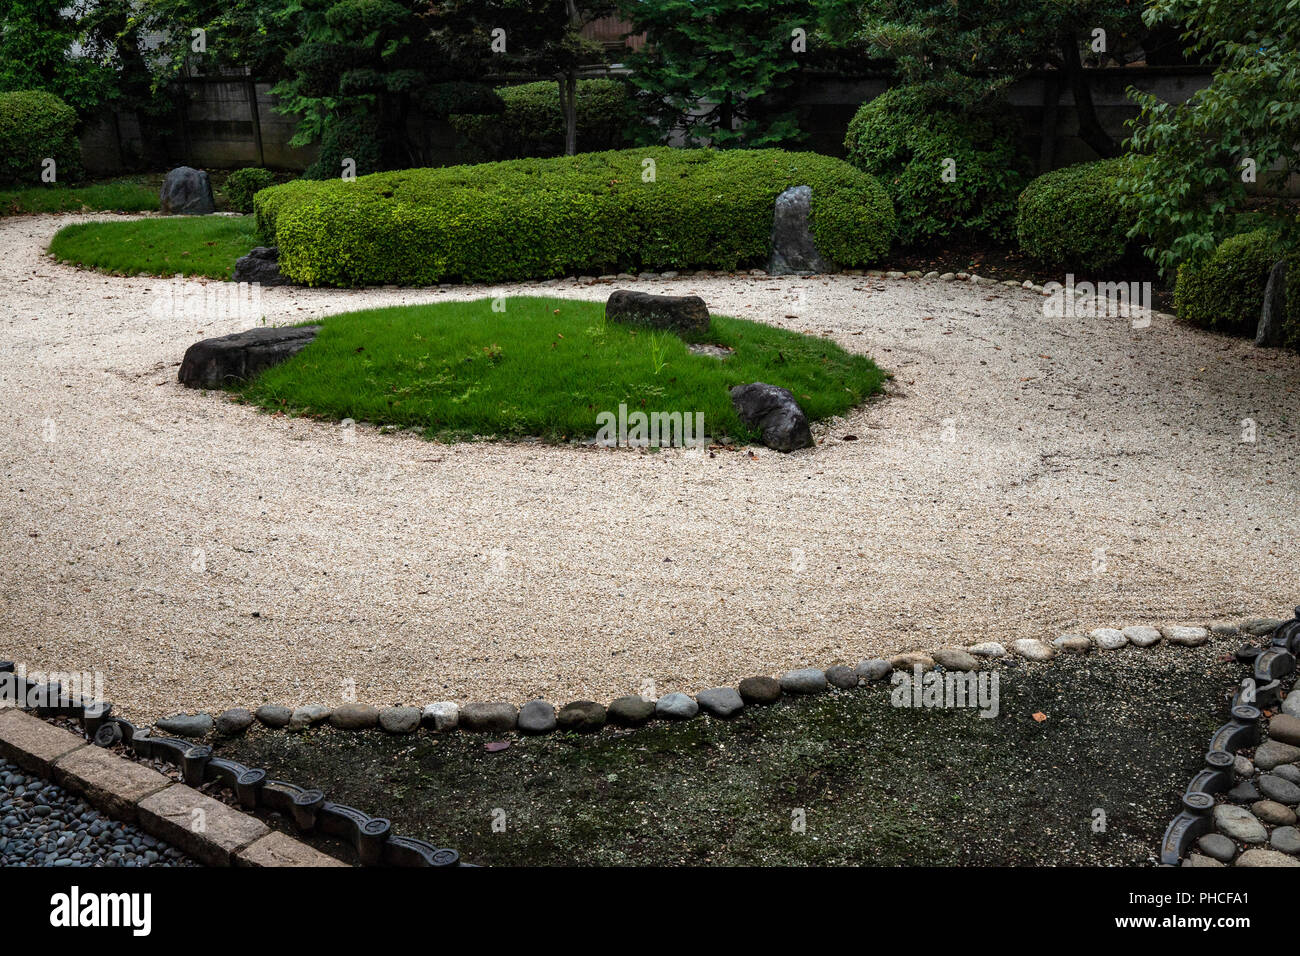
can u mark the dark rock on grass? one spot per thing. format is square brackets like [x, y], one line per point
[721, 701]
[673, 313]
[354, 717]
[581, 715]
[488, 717]
[841, 676]
[676, 706]
[631, 710]
[399, 720]
[227, 359]
[793, 250]
[875, 669]
[235, 721]
[186, 725]
[1218, 846]
[1276, 788]
[273, 715]
[760, 690]
[186, 192]
[537, 717]
[261, 265]
[806, 680]
[775, 413]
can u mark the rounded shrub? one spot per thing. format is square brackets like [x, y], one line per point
[1225, 291]
[907, 144]
[644, 209]
[243, 183]
[1076, 216]
[532, 123]
[354, 136]
[35, 126]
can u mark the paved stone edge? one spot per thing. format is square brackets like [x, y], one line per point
[1260, 691]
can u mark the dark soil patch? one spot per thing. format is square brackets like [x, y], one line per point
[877, 784]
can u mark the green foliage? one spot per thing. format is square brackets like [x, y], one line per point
[1186, 198]
[545, 367]
[243, 183]
[354, 136]
[532, 123]
[1077, 216]
[904, 141]
[174, 245]
[35, 126]
[1225, 290]
[123, 196]
[708, 64]
[538, 218]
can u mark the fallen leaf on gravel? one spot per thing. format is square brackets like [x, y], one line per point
[1040, 716]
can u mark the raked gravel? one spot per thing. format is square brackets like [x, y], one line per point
[1023, 477]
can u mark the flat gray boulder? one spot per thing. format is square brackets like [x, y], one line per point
[776, 414]
[793, 249]
[261, 265]
[214, 363]
[674, 313]
[186, 192]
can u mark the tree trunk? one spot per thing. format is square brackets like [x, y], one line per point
[569, 107]
[1090, 128]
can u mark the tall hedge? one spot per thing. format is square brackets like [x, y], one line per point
[541, 218]
[1225, 291]
[1077, 216]
[34, 126]
[533, 123]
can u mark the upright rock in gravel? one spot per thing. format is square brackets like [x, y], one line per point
[261, 265]
[1272, 317]
[186, 192]
[793, 249]
[674, 313]
[214, 363]
[775, 413]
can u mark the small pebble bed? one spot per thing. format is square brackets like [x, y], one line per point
[41, 824]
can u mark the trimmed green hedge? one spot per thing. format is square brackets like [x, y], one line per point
[243, 183]
[904, 141]
[541, 218]
[34, 126]
[1226, 290]
[533, 125]
[1076, 216]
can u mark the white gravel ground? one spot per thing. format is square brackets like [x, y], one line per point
[487, 571]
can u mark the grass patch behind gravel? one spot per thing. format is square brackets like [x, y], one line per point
[545, 367]
[180, 245]
[879, 785]
[119, 196]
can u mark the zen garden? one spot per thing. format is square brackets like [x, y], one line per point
[658, 433]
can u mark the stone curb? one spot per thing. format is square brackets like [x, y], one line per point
[206, 829]
[1258, 692]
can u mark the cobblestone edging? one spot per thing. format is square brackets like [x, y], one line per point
[1241, 809]
[541, 716]
[167, 809]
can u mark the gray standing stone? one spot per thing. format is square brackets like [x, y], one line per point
[441, 715]
[1279, 789]
[186, 725]
[261, 265]
[955, 659]
[221, 361]
[673, 313]
[721, 701]
[273, 715]
[1272, 753]
[235, 721]
[581, 715]
[399, 720]
[631, 710]
[775, 413]
[842, 677]
[496, 716]
[760, 690]
[537, 717]
[875, 669]
[793, 250]
[1142, 636]
[1286, 839]
[1270, 333]
[1218, 846]
[1239, 823]
[186, 191]
[354, 717]
[805, 680]
[676, 706]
